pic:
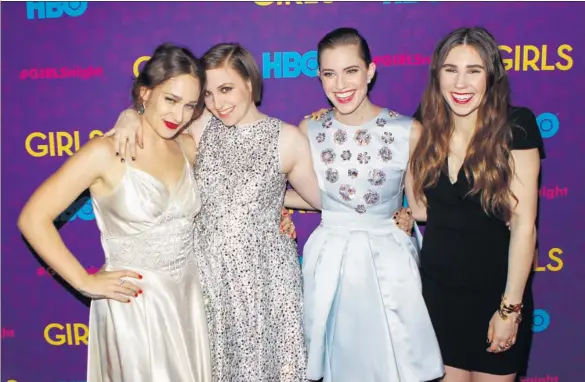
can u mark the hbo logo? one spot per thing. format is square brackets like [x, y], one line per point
[549, 124]
[289, 64]
[54, 9]
[81, 209]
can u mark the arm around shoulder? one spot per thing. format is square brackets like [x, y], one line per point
[198, 126]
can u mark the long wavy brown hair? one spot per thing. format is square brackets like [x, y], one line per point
[487, 165]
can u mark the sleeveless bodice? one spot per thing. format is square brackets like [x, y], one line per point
[249, 270]
[145, 225]
[240, 177]
[359, 262]
[361, 170]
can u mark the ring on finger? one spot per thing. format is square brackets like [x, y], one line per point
[122, 282]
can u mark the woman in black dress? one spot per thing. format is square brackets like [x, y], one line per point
[475, 169]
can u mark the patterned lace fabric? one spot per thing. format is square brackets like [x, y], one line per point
[146, 226]
[250, 272]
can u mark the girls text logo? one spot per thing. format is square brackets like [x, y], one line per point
[69, 334]
[536, 58]
[553, 263]
[55, 143]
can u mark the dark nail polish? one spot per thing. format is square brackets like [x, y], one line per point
[140, 277]
[123, 160]
[133, 158]
[135, 294]
[117, 154]
[128, 301]
[140, 291]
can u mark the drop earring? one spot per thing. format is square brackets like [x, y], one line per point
[141, 109]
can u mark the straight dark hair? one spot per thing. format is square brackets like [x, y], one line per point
[239, 59]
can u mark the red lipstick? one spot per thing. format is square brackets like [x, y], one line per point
[171, 125]
[461, 98]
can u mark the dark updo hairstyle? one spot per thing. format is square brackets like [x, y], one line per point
[344, 37]
[235, 56]
[169, 61]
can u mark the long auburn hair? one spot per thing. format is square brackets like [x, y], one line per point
[488, 164]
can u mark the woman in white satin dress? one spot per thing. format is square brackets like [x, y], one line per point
[147, 319]
[365, 317]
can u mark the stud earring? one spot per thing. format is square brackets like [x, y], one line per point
[141, 109]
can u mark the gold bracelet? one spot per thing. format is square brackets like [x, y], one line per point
[504, 310]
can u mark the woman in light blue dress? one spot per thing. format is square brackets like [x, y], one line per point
[365, 317]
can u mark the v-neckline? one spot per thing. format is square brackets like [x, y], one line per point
[177, 184]
[456, 175]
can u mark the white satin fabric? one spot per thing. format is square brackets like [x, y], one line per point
[365, 316]
[160, 336]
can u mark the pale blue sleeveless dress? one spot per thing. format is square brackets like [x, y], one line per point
[365, 317]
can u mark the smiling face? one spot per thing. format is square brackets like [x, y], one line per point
[228, 96]
[171, 105]
[345, 77]
[462, 80]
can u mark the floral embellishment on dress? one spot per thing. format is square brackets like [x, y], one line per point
[387, 137]
[327, 123]
[393, 114]
[376, 177]
[347, 192]
[372, 197]
[327, 156]
[340, 136]
[362, 137]
[346, 155]
[352, 173]
[320, 138]
[363, 158]
[361, 209]
[332, 175]
[385, 154]
[381, 122]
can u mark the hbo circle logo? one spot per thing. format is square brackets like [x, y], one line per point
[548, 124]
[540, 320]
[54, 9]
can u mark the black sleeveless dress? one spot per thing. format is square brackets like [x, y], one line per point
[464, 265]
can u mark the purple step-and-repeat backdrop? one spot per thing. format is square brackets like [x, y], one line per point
[67, 68]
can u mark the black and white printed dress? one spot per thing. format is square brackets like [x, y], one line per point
[250, 271]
